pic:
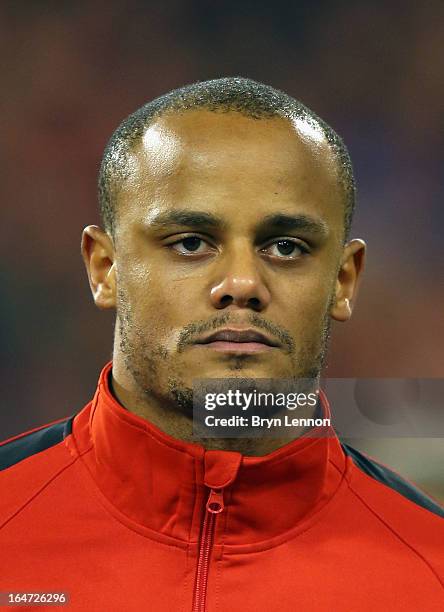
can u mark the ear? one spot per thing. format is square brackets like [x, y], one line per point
[98, 255]
[347, 282]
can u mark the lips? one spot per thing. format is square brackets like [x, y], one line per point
[247, 336]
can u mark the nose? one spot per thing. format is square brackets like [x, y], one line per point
[241, 284]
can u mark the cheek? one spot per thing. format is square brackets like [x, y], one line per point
[307, 303]
[156, 308]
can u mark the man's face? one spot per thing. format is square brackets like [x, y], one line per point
[226, 223]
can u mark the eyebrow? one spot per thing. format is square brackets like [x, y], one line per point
[190, 218]
[302, 222]
[278, 221]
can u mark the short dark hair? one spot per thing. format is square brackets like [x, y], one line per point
[235, 94]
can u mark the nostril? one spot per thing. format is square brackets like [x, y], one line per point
[254, 302]
[226, 300]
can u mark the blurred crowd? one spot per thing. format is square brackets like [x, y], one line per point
[72, 70]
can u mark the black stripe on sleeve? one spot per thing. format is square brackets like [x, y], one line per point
[393, 480]
[31, 443]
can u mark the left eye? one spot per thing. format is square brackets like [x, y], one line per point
[191, 244]
[285, 248]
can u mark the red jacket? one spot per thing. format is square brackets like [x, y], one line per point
[108, 508]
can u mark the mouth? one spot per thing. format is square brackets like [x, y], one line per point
[237, 341]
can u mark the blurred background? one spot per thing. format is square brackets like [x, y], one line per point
[71, 71]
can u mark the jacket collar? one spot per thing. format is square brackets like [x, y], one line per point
[161, 483]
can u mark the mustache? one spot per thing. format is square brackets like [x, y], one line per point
[190, 332]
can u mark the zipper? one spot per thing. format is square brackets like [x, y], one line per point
[214, 506]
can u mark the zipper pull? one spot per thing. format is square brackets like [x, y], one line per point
[215, 503]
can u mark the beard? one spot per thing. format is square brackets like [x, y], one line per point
[158, 377]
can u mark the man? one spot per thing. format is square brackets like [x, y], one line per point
[225, 251]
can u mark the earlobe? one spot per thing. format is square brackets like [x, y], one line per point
[341, 310]
[348, 279]
[98, 255]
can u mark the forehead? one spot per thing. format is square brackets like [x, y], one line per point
[232, 163]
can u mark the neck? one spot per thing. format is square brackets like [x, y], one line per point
[179, 425]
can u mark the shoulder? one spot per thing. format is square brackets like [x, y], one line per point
[402, 510]
[30, 443]
[388, 481]
[392, 481]
[29, 462]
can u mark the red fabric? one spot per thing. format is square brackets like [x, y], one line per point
[113, 515]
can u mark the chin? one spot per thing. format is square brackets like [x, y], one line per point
[238, 370]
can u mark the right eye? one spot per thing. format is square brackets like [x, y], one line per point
[190, 245]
